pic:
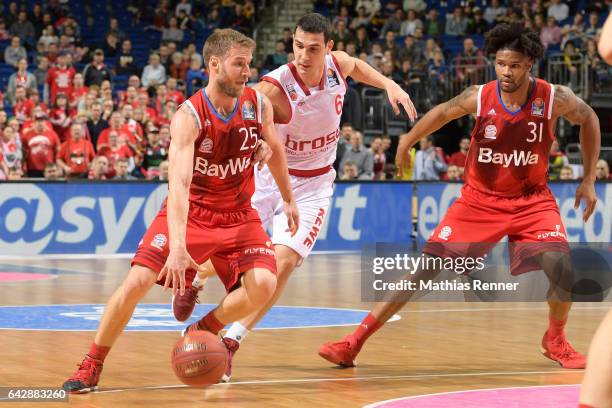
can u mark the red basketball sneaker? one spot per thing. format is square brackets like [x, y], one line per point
[560, 350]
[182, 306]
[232, 346]
[85, 378]
[342, 352]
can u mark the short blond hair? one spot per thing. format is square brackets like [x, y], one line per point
[220, 42]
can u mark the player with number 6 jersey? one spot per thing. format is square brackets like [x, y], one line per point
[307, 95]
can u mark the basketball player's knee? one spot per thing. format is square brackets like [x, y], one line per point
[261, 285]
[558, 267]
[284, 267]
[138, 281]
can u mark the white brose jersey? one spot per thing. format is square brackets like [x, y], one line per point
[311, 135]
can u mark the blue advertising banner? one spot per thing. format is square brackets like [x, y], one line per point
[76, 218]
[435, 198]
[108, 218]
[363, 213]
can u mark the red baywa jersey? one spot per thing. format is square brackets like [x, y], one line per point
[508, 153]
[223, 153]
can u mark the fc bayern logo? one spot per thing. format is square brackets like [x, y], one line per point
[490, 132]
[159, 241]
[206, 146]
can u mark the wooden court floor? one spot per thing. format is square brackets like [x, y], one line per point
[434, 347]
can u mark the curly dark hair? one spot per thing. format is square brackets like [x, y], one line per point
[514, 37]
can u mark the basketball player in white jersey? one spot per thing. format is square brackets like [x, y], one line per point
[307, 95]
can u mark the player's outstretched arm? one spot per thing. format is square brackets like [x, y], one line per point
[278, 165]
[184, 131]
[463, 104]
[362, 72]
[574, 109]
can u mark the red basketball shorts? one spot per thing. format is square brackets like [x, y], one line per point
[234, 241]
[476, 222]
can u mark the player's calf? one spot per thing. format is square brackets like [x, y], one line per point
[117, 313]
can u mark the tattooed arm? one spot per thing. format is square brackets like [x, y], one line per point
[463, 104]
[574, 109]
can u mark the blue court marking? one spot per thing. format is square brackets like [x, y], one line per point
[159, 317]
[37, 269]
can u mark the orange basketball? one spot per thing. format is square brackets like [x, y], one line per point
[199, 358]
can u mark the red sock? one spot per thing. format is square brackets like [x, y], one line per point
[211, 323]
[555, 327]
[98, 352]
[368, 327]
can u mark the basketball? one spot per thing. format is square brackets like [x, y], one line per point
[199, 358]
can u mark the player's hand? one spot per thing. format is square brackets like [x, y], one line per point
[586, 192]
[397, 96]
[263, 153]
[293, 216]
[402, 157]
[174, 270]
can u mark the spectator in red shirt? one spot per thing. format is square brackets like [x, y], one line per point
[22, 109]
[76, 153]
[29, 124]
[79, 90]
[173, 93]
[99, 168]
[161, 96]
[179, 66]
[458, 158]
[52, 52]
[123, 136]
[143, 103]
[130, 96]
[131, 125]
[166, 116]
[114, 151]
[60, 77]
[60, 117]
[379, 158]
[453, 173]
[34, 96]
[40, 146]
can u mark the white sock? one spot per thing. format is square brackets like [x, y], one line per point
[237, 332]
[196, 282]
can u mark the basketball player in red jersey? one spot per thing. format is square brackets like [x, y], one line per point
[307, 96]
[596, 390]
[208, 213]
[505, 190]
